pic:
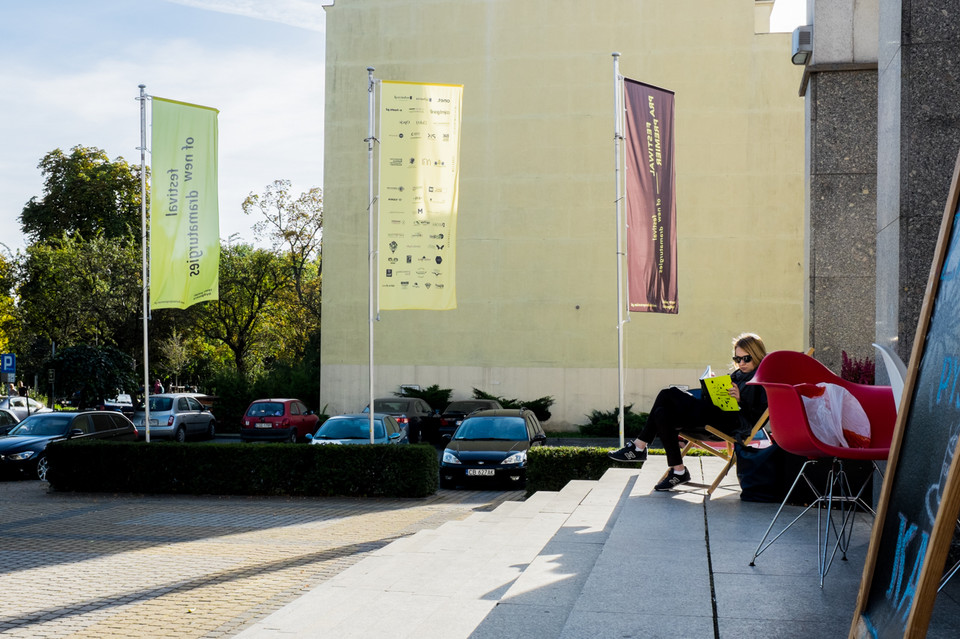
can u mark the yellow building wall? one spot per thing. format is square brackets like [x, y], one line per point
[536, 252]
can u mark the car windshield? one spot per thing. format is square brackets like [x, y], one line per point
[509, 428]
[390, 405]
[264, 409]
[349, 428]
[43, 425]
[161, 404]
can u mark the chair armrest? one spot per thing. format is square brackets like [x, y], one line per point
[719, 434]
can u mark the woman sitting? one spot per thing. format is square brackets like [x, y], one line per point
[676, 410]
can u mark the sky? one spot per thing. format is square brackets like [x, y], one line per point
[70, 70]
[787, 15]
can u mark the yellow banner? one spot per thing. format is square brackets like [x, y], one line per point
[419, 181]
[184, 208]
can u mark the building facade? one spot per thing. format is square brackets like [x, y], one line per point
[536, 254]
[881, 91]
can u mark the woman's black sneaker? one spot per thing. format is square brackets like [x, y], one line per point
[673, 480]
[628, 453]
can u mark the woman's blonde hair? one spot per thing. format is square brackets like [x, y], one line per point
[753, 344]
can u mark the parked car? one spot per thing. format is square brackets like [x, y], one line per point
[122, 403]
[278, 420]
[412, 412]
[19, 405]
[177, 416]
[454, 414]
[8, 419]
[491, 444]
[355, 429]
[22, 450]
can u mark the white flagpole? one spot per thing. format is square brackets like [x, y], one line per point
[617, 137]
[371, 248]
[144, 248]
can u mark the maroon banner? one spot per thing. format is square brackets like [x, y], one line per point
[651, 199]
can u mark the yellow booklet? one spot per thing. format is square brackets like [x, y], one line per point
[716, 389]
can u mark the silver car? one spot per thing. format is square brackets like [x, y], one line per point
[23, 406]
[177, 416]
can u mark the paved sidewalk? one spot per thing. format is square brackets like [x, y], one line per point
[99, 566]
[611, 558]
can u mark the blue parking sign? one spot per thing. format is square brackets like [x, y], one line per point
[8, 363]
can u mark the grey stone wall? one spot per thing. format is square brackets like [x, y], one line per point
[842, 209]
[919, 129]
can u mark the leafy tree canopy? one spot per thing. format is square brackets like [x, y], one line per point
[294, 228]
[84, 193]
[93, 373]
[8, 323]
[75, 290]
[250, 280]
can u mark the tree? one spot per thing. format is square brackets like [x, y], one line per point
[8, 323]
[294, 228]
[249, 281]
[85, 193]
[93, 374]
[72, 290]
[174, 351]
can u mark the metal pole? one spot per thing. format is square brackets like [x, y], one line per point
[617, 136]
[371, 248]
[144, 249]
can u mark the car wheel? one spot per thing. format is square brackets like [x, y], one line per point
[293, 438]
[180, 435]
[43, 466]
[212, 429]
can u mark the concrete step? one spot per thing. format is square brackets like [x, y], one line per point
[447, 582]
[611, 558]
[541, 598]
[650, 531]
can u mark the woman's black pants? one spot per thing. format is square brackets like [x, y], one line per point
[675, 410]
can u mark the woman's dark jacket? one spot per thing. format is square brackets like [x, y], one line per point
[753, 400]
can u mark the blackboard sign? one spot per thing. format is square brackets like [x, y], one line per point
[921, 490]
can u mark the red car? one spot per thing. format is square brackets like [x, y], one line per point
[277, 420]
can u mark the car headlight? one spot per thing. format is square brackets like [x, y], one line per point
[449, 457]
[27, 454]
[516, 458]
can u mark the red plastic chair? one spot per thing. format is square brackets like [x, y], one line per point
[780, 373]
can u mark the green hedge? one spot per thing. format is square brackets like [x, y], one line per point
[551, 467]
[249, 469]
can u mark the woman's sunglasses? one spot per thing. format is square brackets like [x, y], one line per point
[745, 359]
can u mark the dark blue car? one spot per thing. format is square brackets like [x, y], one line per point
[22, 450]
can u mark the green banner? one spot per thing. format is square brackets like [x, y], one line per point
[184, 213]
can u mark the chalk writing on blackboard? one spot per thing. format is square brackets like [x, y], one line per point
[910, 539]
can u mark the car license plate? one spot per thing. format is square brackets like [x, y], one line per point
[264, 425]
[481, 472]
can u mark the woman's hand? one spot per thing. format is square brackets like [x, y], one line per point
[734, 392]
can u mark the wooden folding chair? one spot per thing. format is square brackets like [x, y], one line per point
[700, 440]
